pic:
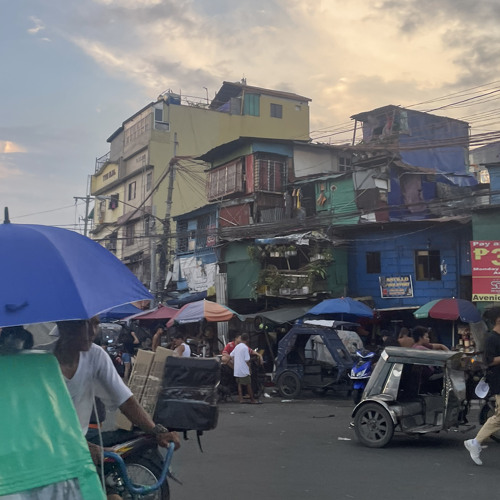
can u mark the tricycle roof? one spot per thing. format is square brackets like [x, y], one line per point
[419, 356]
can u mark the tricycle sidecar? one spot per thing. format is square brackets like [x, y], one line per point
[311, 357]
[413, 391]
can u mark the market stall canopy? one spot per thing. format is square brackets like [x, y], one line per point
[449, 309]
[157, 314]
[202, 310]
[281, 315]
[53, 274]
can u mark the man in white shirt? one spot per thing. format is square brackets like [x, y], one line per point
[241, 359]
[88, 372]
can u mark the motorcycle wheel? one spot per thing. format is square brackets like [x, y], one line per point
[145, 472]
[289, 385]
[487, 411]
[373, 425]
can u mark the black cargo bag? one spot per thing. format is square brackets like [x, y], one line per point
[188, 398]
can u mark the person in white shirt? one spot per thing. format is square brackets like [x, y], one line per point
[88, 372]
[181, 349]
[241, 359]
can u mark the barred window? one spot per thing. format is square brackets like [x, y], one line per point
[276, 111]
[182, 236]
[271, 175]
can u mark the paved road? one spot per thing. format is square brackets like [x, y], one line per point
[303, 449]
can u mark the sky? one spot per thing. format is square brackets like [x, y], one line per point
[71, 71]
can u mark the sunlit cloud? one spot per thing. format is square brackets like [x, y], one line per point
[38, 25]
[11, 147]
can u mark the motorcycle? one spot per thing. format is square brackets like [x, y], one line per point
[361, 372]
[134, 460]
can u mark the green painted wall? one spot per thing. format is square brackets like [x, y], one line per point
[338, 198]
[337, 273]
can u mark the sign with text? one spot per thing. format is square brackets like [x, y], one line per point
[485, 263]
[395, 286]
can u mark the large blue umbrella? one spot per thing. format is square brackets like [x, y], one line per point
[52, 274]
[342, 306]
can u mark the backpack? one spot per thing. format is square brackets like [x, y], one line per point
[188, 398]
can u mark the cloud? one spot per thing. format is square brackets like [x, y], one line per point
[292, 45]
[11, 147]
[8, 171]
[38, 26]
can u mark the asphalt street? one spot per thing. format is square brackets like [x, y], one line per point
[304, 449]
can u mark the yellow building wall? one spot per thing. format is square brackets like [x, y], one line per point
[198, 130]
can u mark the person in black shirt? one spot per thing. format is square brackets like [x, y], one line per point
[492, 359]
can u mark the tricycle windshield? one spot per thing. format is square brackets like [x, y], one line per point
[379, 376]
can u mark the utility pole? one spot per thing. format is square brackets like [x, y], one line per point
[87, 204]
[165, 255]
[168, 213]
[152, 256]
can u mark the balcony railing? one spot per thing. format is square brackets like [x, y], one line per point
[100, 162]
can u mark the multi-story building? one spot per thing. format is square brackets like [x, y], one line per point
[150, 176]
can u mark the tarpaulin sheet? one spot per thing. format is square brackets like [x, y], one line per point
[42, 441]
[188, 399]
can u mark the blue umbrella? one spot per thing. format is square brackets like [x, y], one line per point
[52, 274]
[344, 305]
[119, 312]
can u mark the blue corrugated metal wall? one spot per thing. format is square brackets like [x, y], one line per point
[398, 258]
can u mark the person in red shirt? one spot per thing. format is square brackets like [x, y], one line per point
[229, 348]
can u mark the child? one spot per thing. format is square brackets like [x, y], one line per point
[241, 358]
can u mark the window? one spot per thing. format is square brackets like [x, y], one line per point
[225, 180]
[182, 236]
[271, 175]
[131, 190]
[251, 105]
[160, 119]
[344, 164]
[427, 265]
[149, 181]
[113, 202]
[129, 234]
[112, 242]
[276, 110]
[373, 262]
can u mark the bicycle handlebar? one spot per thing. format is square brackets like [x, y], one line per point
[142, 489]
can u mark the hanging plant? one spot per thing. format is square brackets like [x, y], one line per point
[327, 255]
[255, 252]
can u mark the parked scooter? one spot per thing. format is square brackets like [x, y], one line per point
[134, 460]
[360, 372]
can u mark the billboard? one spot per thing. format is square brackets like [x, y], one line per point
[485, 263]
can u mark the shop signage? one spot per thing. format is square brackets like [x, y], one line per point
[485, 263]
[395, 286]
